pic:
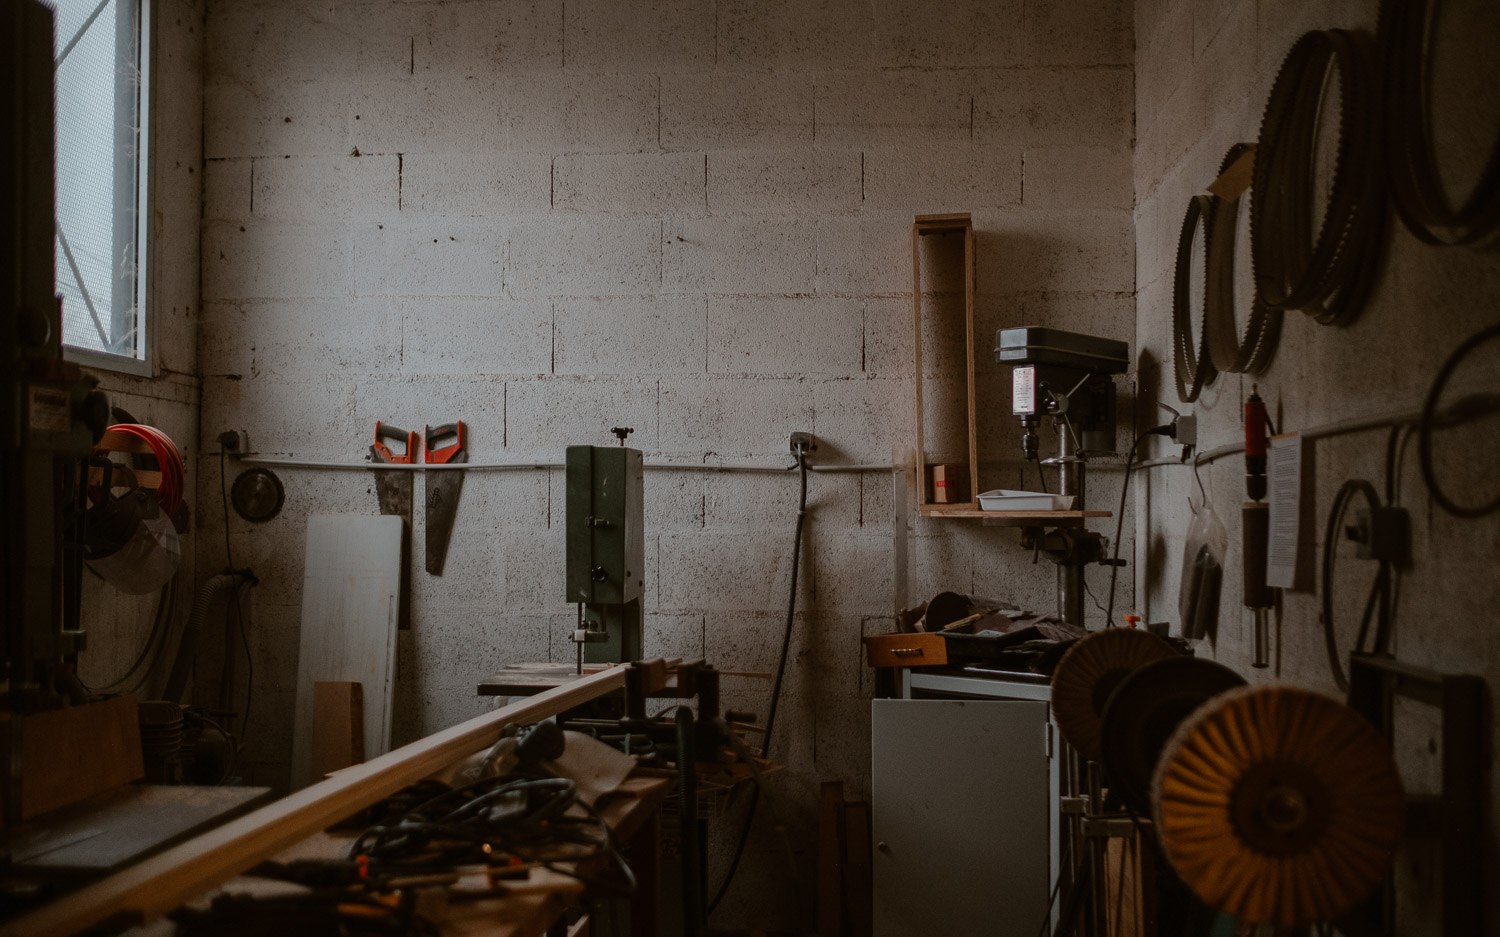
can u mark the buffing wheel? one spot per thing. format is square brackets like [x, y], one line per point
[1279, 806]
[1143, 713]
[1090, 671]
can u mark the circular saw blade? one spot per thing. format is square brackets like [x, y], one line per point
[1144, 711]
[1089, 672]
[1278, 805]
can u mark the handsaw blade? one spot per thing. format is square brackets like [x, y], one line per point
[443, 488]
[393, 489]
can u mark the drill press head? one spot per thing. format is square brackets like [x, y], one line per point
[1066, 376]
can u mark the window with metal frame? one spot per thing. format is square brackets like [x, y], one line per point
[102, 107]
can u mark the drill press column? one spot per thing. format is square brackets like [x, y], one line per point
[606, 550]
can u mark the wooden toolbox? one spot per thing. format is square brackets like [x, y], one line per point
[915, 649]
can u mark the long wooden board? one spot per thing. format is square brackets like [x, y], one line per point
[149, 890]
[351, 594]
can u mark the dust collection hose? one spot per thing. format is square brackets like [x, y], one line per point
[786, 641]
[187, 648]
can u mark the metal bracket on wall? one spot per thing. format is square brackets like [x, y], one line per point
[1454, 815]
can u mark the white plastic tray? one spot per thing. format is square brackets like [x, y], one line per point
[1004, 499]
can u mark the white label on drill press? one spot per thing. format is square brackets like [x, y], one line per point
[1023, 390]
[49, 411]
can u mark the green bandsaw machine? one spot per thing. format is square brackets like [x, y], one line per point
[606, 550]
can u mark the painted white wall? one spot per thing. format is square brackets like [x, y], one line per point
[549, 218]
[1203, 71]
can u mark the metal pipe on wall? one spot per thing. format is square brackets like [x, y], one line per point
[291, 463]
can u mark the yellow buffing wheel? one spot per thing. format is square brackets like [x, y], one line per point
[1278, 805]
[1090, 671]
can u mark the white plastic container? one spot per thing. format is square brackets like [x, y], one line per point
[1003, 499]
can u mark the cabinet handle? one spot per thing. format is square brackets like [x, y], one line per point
[908, 652]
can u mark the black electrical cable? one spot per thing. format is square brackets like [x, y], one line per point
[164, 603]
[791, 603]
[224, 500]
[738, 744]
[1165, 429]
[1430, 421]
[526, 816]
[786, 640]
[239, 602]
[1378, 602]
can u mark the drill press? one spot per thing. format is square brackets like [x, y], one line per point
[606, 549]
[1069, 378]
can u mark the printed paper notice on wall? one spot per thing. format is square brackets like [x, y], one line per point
[1284, 477]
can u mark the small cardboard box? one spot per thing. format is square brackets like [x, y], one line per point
[949, 484]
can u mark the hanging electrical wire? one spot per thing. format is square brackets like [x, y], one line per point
[786, 640]
[1470, 408]
[1166, 429]
[151, 650]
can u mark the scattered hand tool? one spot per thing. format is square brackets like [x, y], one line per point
[394, 491]
[443, 488]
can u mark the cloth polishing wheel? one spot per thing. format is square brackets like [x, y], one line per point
[1144, 711]
[1089, 672]
[1279, 806]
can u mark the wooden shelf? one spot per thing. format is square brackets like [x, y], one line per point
[1012, 518]
[958, 223]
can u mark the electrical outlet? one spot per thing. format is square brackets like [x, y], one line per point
[234, 440]
[804, 442]
[1186, 430]
[1381, 534]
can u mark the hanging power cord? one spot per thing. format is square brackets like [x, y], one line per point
[1468, 409]
[243, 620]
[187, 648]
[151, 651]
[237, 606]
[776, 814]
[1166, 429]
[786, 641]
[1377, 605]
[224, 500]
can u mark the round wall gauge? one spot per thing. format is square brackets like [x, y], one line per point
[257, 495]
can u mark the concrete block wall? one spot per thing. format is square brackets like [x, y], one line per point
[1203, 71]
[548, 218]
[118, 624]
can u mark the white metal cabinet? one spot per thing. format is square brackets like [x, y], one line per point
[962, 816]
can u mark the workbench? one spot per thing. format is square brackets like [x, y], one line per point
[144, 893]
[532, 907]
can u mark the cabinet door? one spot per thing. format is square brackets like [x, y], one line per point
[959, 813]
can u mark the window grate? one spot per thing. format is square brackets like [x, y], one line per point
[99, 122]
